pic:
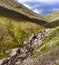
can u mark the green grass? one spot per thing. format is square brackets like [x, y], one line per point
[53, 17]
[56, 63]
[4, 55]
[13, 33]
[49, 44]
[15, 30]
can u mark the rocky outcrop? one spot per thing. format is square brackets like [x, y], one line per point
[49, 58]
[34, 42]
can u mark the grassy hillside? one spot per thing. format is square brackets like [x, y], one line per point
[52, 24]
[50, 43]
[17, 7]
[53, 20]
[14, 33]
[49, 58]
[53, 16]
[17, 24]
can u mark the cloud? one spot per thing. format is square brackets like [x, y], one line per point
[37, 11]
[44, 1]
[28, 6]
[42, 7]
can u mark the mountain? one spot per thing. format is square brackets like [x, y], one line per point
[18, 8]
[26, 38]
[53, 20]
[53, 16]
[17, 24]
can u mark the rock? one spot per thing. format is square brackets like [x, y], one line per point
[49, 58]
[1, 61]
[13, 52]
[25, 42]
[32, 38]
[19, 55]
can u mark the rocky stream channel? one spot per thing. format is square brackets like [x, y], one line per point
[35, 41]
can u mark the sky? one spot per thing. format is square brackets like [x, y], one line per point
[42, 7]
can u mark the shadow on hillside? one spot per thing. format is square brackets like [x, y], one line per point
[53, 24]
[18, 16]
[40, 22]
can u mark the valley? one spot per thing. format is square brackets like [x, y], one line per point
[31, 36]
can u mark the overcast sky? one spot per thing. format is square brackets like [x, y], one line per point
[43, 7]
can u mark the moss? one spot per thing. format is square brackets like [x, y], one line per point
[56, 63]
[4, 55]
[45, 49]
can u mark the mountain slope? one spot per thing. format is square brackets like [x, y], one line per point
[51, 42]
[41, 50]
[17, 7]
[50, 58]
[17, 24]
[53, 16]
[53, 20]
